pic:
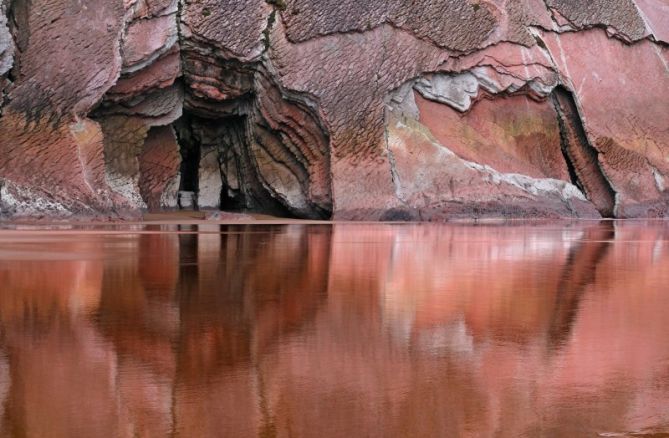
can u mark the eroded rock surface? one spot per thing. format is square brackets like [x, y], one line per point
[6, 50]
[159, 162]
[392, 110]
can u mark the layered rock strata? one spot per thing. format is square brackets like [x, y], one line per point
[375, 110]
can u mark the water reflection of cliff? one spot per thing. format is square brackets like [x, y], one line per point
[351, 330]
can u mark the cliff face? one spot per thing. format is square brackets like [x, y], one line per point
[426, 109]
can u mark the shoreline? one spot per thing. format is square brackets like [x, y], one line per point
[190, 218]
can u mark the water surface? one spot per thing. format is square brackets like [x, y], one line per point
[335, 331]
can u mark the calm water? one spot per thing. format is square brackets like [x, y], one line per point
[336, 331]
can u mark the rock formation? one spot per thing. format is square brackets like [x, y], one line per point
[374, 110]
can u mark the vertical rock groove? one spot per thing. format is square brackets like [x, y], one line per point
[581, 157]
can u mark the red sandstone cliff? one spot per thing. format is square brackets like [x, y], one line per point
[420, 110]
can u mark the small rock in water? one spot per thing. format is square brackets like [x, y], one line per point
[186, 200]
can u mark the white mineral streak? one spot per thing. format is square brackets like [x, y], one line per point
[6, 43]
[459, 91]
[456, 91]
[210, 183]
[535, 186]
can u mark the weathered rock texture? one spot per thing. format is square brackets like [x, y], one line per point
[374, 110]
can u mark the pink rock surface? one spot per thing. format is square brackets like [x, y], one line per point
[159, 163]
[293, 102]
[160, 74]
[235, 26]
[624, 108]
[69, 56]
[54, 171]
[468, 189]
[621, 17]
[512, 135]
[50, 155]
[147, 39]
[656, 15]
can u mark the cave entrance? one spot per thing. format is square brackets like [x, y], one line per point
[217, 172]
[190, 163]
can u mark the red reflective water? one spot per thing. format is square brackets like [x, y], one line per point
[342, 331]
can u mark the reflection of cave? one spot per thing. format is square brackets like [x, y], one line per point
[220, 312]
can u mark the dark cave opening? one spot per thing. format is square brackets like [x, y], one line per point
[190, 156]
[217, 169]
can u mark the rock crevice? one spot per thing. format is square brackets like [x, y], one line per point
[581, 156]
